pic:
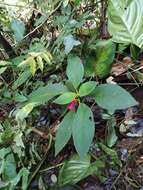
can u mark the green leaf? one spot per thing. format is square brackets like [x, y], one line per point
[17, 60]
[39, 96]
[6, 136]
[44, 94]
[18, 140]
[69, 43]
[111, 136]
[77, 169]
[75, 70]
[113, 97]
[9, 168]
[112, 153]
[23, 112]
[125, 21]
[73, 170]
[64, 132]
[3, 185]
[32, 66]
[24, 174]
[83, 129]
[122, 47]
[23, 77]
[65, 98]
[40, 63]
[87, 87]
[95, 168]
[47, 57]
[77, 2]
[135, 51]
[99, 62]
[4, 63]
[40, 20]
[20, 98]
[105, 53]
[111, 133]
[2, 70]
[18, 28]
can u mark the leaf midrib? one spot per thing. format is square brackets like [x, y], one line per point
[124, 21]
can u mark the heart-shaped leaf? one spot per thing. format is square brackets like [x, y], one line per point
[113, 97]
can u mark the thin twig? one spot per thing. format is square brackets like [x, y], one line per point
[129, 84]
[40, 133]
[50, 168]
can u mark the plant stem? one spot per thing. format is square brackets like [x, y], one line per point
[42, 161]
[52, 167]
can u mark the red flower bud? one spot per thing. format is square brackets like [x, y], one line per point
[72, 104]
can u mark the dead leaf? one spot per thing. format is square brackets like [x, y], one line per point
[122, 67]
[118, 69]
[128, 61]
[129, 114]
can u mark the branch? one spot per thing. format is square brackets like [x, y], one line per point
[103, 20]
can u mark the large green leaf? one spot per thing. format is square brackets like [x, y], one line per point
[99, 62]
[83, 129]
[125, 21]
[75, 70]
[73, 170]
[39, 96]
[113, 97]
[77, 169]
[9, 167]
[64, 132]
[44, 94]
[105, 52]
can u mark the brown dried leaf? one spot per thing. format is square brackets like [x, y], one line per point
[118, 69]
